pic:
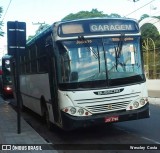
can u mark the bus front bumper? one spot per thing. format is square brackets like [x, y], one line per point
[71, 122]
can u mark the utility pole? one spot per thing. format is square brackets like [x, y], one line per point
[40, 25]
[134, 0]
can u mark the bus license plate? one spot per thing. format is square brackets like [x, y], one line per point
[111, 119]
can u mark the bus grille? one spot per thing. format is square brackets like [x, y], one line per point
[107, 104]
[108, 107]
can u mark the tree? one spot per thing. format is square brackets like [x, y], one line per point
[84, 14]
[30, 37]
[114, 15]
[151, 48]
[41, 28]
[1, 23]
[148, 30]
[89, 14]
[143, 17]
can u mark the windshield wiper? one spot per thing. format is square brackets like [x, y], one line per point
[118, 50]
[81, 38]
[95, 54]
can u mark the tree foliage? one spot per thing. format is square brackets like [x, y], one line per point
[88, 14]
[148, 30]
[143, 17]
[1, 23]
[151, 48]
[41, 28]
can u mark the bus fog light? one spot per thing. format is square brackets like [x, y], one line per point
[73, 110]
[136, 104]
[81, 111]
[142, 101]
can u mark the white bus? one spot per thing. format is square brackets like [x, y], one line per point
[85, 72]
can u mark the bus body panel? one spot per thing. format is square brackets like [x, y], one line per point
[33, 87]
[89, 99]
[113, 106]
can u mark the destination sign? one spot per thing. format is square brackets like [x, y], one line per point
[100, 27]
[72, 28]
[97, 26]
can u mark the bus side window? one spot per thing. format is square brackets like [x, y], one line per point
[33, 55]
[42, 56]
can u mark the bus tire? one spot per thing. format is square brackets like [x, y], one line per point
[45, 114]
[48, 123]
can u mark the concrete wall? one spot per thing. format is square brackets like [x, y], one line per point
[153, 88]
[153, 84]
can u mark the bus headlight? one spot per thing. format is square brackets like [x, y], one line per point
[76, 111]
[142, 101]
[81, 111]
[136, 104]
[72, 110]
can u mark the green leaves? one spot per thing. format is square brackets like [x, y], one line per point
[88, 14]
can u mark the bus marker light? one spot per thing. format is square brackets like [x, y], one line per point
[66, 110]
[86, 113]
[130, 107]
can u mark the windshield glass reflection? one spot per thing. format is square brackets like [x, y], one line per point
[104, 59]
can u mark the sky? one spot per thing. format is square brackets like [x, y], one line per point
[50, 11]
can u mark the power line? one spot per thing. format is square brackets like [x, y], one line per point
[6, 10]
[139, 8]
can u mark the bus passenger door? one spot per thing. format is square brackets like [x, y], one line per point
[53, 80]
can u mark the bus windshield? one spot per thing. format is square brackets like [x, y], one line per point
[96, 62]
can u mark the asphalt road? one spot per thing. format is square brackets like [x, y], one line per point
[144, 131]
[138, 132]
[148, 129]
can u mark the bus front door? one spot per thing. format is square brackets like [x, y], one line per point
[53, 83]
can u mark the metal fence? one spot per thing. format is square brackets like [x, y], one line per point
[152, 64]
